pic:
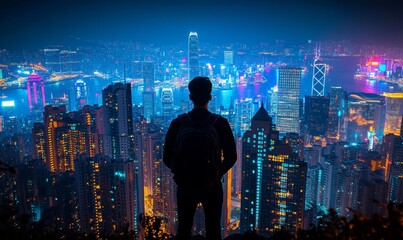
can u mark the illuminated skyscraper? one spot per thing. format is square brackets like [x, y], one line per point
[244, 111]
[167, 99]
[92, 194]
[118, 121]
[396, 169]
[257, 143]
[36, 94]
[272, 98]
[81, 94]
[319, 75]
[148, 76]
[289, 84]
[123, 195]
[366, 117]
[149, 105]
[39, 141]
[163, 187]
[283, 190]
[338, 114]
[193, 56]
[52, 118]
[316, 115]
[394, 112]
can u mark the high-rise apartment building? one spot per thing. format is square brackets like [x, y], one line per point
[283, 191]
[92, 194]
[39, 142]
[193, 56]
[289, 84]
[52, 118]
[118, 121]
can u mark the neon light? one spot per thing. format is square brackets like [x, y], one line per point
[9, 103]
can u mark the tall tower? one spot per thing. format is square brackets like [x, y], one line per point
[394, 112]
[338, 114]
[256, 145]
[283, 190]
[39, 141]
[81, 94]
[289, 84]
[193, 55]
[92, 193]
[167, 99]
[163, 187]
[118, 120]
[36, 94]
[148, 76]
[52, 118]
[319, 75]
[316, 115]
[396, 169]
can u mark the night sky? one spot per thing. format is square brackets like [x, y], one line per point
[35, 23]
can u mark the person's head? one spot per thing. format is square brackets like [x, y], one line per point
[200, 91]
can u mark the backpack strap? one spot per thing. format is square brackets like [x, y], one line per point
[185, 119]
[210, 120]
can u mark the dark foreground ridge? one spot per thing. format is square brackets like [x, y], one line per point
[331, 226]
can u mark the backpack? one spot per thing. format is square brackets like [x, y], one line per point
[196, 154]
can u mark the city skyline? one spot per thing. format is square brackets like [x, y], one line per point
[30, 24]
[91, 162]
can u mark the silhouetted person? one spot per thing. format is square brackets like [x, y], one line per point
[196, 183]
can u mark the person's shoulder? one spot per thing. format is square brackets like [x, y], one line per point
[221, 119]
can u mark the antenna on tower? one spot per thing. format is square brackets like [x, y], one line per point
[317, 51]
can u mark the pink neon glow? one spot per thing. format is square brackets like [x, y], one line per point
[33, 80]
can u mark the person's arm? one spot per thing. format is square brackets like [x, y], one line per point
[228, 146]
[169, 145]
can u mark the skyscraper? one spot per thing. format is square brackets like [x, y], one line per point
[193, 55]
[316, 115]
[394, 111]
[319, 75]
[257, 143]
[52, 117]
[92, 194]
[283, 191]
[289, 83]
[36, 94]
[81, 94]
[148, 76]
[338, 114]
[167, 99]
[396, 170]
[148, 104]
[366, 117]
[118, 121]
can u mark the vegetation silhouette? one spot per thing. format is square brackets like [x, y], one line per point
[331, 226]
